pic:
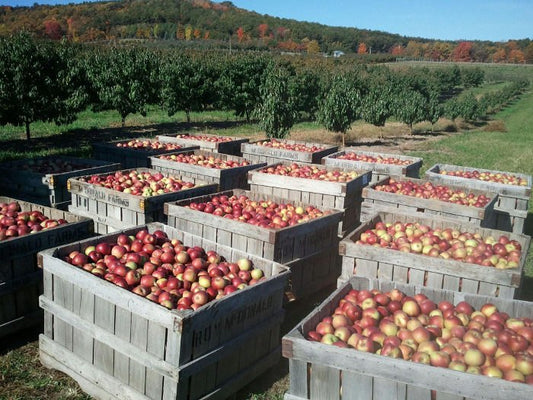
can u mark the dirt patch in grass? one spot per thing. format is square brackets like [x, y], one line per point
[495, 126]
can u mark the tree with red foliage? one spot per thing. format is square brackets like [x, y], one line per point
[240, 34]
[462, 52]
[362, 49]
[52, 29]
[262, 28]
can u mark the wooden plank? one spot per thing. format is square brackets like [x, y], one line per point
[92, 381]
[83, 305]
[104, 317]
[356, 386]
[156, 346]
[122, 331]
[324, 383]
[139, 338]
[418, 393]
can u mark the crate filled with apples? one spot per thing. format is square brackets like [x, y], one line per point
[418, 196]
[130, 197]
[25, 229]
[436, 252]
[212, 143]
[327, 187]
[273, 151]
[376, 340]
[514, 190]
[227, 171]
[152, 312]
[286, 231]
[382, 165]
[43, 180]
[133, 153]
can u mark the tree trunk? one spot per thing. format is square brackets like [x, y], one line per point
[188, 113]
[123, 121]
[27, 130]
[343, 136]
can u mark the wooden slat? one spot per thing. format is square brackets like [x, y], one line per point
[324, 383]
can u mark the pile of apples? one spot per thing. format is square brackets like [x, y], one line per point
[204, 161]
[138, 183]
[501, 253]
[205, 138]
[166, 271]
[428, 190]
[276, 144]
[373, 159]
[15, 223]
[262, 213]
[414, 328]
[49, 166]
[498, 177]
[308, 171]
[145, 144]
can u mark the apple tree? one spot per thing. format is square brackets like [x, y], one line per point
[276, 110]
[188, 84]
[125, 80]
[340, 105]
[39, 81]
[239, 84]
[411, 107]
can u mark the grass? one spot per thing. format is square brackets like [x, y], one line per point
[505, 143]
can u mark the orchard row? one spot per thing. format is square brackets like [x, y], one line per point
[98, 79]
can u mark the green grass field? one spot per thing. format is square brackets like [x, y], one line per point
[506, 143]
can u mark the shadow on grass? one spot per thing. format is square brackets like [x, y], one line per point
[81, 139]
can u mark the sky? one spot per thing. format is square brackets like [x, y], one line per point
[494, 20]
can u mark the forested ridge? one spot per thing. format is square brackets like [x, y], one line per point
[206, 24]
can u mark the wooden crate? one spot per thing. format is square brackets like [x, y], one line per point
[112, 210]
[116, 344]
[226, 179]
[232, 147]
[46, 189]
[345, 196]
[20, 277]
[418, 269]
[309, 249]
[254, 152]
[511, 198]
[128, 157]
[280, 245]
[319, 371]
[374, 200]
[379, 171]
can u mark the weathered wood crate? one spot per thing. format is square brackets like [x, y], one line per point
[345, 196]
[232, 146]
[320, 371]
[418, 269]
[20, 277]
[112, 210]
[226, 179]
[116, 344]
[379, 170]
[46, 189]
[256, 153]
[513, 201]
[130, 157]
[374, 200]
[304, 247]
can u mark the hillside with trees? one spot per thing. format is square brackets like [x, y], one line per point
[206, 24]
